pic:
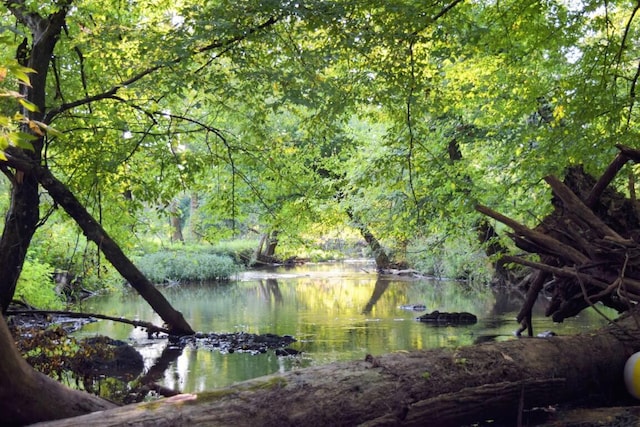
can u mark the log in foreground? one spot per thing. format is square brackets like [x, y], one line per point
[440, 387]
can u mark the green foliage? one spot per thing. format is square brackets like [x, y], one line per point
[452, 257]
[36, 286]
[240, 250]
[186, 266]
[12, 73]
[282, 116]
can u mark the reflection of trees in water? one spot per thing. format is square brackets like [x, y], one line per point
[379, 289]
[510, 299]
[272, 288]
[507, 300]
[148, 382]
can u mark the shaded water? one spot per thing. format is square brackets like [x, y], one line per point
[340, 311]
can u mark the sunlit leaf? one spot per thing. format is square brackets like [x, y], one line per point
[28, 105]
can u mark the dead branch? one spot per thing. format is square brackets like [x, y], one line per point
[150, 327]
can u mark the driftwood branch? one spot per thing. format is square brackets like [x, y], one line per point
[546, 243]
[588, 247]
[150, 327]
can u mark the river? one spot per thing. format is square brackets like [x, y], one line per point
[335, 311]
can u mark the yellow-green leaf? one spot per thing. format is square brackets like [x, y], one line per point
[28, 105]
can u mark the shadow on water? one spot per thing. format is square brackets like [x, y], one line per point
[337, 311]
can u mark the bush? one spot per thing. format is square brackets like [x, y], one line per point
[186, 266]
[457, 257]
[36, 286]
[241, 250]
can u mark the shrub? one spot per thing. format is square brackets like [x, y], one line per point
[36, 286]
[453, 257]
[186, 266]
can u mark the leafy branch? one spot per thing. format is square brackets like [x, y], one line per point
[111, 93]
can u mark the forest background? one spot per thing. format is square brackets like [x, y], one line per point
[191, 131]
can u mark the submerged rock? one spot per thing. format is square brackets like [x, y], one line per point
[235, 341]
[444, 318]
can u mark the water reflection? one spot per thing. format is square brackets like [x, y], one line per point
[335, 311]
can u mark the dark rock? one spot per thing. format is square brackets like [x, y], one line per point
[286, 352]
[444, 318]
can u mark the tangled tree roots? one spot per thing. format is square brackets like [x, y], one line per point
[588, 247]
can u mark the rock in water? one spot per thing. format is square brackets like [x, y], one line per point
[444, 318]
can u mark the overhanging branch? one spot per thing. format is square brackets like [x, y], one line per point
[224, 44]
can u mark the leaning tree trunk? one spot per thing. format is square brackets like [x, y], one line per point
[380, 255]
[440, 387]
[27, 396]
[94, 232]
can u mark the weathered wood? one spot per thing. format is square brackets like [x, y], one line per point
[470, 405]
[150, 327]
[450, 386]
[580, 210]
[546, 243]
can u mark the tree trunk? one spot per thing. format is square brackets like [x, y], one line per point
[272, 243]
[23, 215]
[94, 232]
[266, 255]
[194, 218]
[176, 222]
[440, 387]
[380, 255]
[27, 396]
[20, 225]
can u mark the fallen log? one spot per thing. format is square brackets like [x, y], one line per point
[497, 381]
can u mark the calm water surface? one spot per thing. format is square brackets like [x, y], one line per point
[337, 311]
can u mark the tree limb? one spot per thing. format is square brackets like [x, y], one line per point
[150, 327]
[142, 74]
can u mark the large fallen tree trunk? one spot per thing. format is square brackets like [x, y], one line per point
[588, 247]
[441, 387]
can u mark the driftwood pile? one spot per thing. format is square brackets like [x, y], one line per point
[588, 247]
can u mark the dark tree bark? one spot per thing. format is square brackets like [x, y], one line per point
[27, 396]
[23, 215]
[441, 387]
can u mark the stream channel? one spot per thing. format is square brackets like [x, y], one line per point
[335, 311]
